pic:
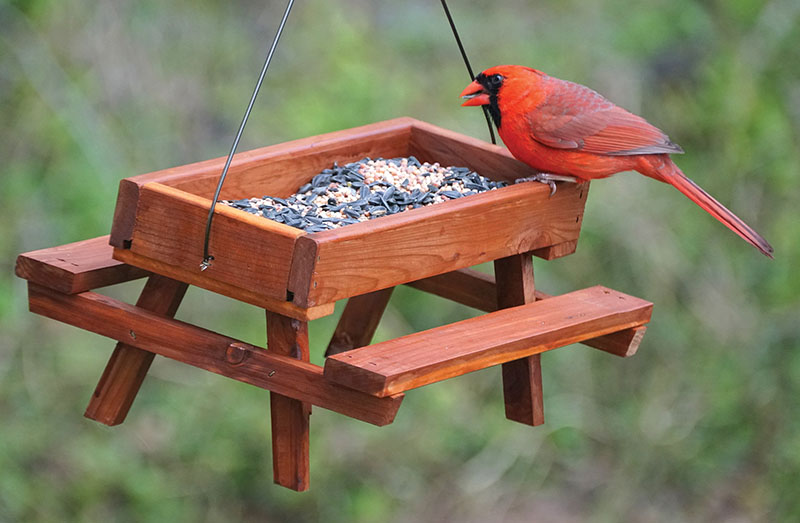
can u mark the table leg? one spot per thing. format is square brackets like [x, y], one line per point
[289, 337]
[127, 367]
[522, 379]
[359, 321]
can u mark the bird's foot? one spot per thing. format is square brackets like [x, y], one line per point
[549, 179]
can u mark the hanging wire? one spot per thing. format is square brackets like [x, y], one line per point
[207, 258]
[466, 62]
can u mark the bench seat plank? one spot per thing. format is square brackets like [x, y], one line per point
[477, 289]
[76, 267]
[452, 350]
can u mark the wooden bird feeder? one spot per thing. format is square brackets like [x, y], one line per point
[297, 276]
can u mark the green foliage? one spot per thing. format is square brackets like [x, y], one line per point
[701, 425]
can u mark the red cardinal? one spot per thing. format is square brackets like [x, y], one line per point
[571, 133]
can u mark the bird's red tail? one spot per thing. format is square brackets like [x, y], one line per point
[662, 168]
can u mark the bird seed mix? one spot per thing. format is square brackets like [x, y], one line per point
[367, 189]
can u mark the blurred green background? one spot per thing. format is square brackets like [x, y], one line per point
[703, 424]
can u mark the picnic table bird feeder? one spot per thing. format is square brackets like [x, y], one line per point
[297, 277]
[162, 228]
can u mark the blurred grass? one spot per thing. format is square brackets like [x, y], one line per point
[702, 425]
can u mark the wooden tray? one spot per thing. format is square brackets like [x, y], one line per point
[160, 219]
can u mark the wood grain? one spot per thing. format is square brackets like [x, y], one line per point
[250, 252]
[435, 144]
[277, 170]
[522, 378]
[359, 321]
[465, 286]
[209, 351]
[506, 335]
[477, 289]
[171, 208]
[290, 452]
[423, 242]
[200, 279]
[557, 251]
[76, 267]
[124, 214]
[125, 371]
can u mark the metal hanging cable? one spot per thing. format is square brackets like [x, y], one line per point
[207, 258]
[466, 62]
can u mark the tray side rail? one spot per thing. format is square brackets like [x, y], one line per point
[277, 170]
[432, 240]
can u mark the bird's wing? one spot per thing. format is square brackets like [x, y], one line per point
[575, 117]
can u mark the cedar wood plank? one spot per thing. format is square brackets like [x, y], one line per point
[460, 233]
[210, 351]
[509, 334]
[128, 366]
[76, 267]
[277, 170]
[251, 252]
[359, 321]
[435, 144]
[197, 278]
[477, 290]
[289, 417]
[522, 378]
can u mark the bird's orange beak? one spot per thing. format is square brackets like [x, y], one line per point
[475, 94]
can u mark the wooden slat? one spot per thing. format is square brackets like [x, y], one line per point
[76, 267]
[210, 351]
[125, 371]
[397, 249]
[477, 289]
[465, 286]
[506, 335]
[435, 144]
[556, 251]
[290, 452]
[623, 343]
[200, 279]
[124, 214]
[522, 378]
[250, 252]
[359, 321]
[277, 170]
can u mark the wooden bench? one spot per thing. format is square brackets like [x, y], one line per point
[510, 334]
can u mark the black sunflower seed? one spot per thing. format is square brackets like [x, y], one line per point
[451, 194]
[374, 199]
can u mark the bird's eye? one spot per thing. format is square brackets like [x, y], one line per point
[496, 80]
